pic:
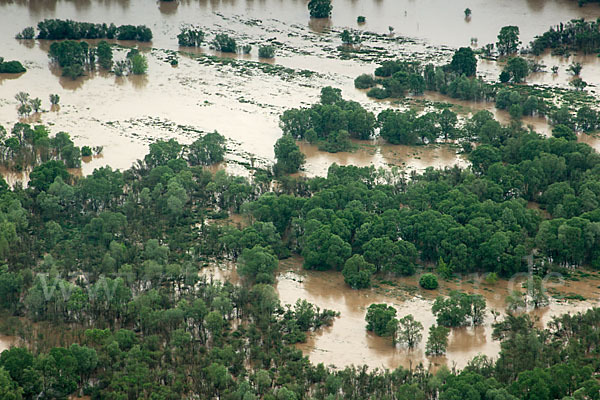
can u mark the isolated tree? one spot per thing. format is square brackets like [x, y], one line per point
[508, 40]
[437, 342]
[464, 61]
[409, 331]
[288, 155]
[381, 319]
[515, 300]
[320, 8]
[536, 292]
[575, 68]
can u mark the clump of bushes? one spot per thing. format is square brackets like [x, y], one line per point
[57, 29]
[428, 281]
[364, 81]
[11, 67]
[361, 19]
[191, 37]
[27, 33]
[266, 51]
[224, 43]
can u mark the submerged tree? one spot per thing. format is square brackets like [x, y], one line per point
[320, 8]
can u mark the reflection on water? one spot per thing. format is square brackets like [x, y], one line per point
[347, 341]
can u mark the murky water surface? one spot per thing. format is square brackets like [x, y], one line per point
[125, 114]
[243, 102]
[347, 341]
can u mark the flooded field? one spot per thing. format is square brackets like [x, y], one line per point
[347, 341]
[243, 101]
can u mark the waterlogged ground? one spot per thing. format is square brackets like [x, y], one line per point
[243, 100]
[347, 341]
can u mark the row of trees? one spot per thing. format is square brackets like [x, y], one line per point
[575, 35]
[58, 29]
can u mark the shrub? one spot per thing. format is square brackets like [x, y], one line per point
[139, 64]
[11, 67]
[266, 51]
[361, 19]
[27, 33]
[378, 93]
[224, 43]
[428, 281]
[364, 81]
[190, 37]
[246, 49]
[86, 151]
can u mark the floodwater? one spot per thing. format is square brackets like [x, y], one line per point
[244, 101]
[125, 114]
[347, 341]
[6, 342]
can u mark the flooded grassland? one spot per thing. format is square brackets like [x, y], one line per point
[243, 99]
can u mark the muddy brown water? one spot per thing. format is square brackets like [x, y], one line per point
[125, 114]
[347, 341]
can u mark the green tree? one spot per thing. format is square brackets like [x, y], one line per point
[320, 8]
[517, 68]
[357, 272]
[381, 319]
[464, 62]
[207, 150]
[105, 55]
[428, 281]
[409, 331]
[258, 264]
[288, 155]
[508, 40]
[437, 342]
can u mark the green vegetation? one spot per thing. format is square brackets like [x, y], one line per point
[459, 309]
[381, 319]
[288, 155]
[574, 35]
[224, 43]
[437, 341]
[28, 146]
[357, 272]
[516, 69]
[331, 122]
[57, 29]
[266, 51]
[11, 67]
[190, 36]
[207, 150]
[26, 34]
[320, 8]
[508, 40]
[428, 281]
[464, 62]
[361, 19]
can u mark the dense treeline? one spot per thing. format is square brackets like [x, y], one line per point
[58, 29]
[472, 220]
[121, 251]
[575, 35]
[28, 146]
[330, 123]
